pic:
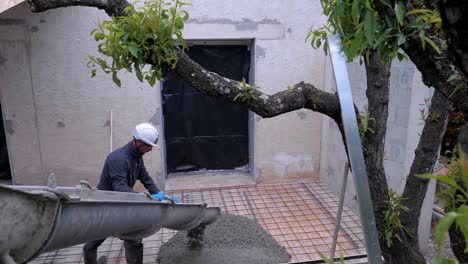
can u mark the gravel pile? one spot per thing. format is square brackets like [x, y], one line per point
[232, 239]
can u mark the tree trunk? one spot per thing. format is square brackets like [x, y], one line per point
[457, 243]
[426, 155]
[453, 14]
[402, 253]
[378, 84]
[457, 240]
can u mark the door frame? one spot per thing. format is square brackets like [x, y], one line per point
[250, 43]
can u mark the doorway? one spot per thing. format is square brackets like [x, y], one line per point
[203, 133]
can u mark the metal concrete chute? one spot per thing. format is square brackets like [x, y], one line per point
[37, 219]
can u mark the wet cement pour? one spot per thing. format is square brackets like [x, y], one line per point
[232, 239]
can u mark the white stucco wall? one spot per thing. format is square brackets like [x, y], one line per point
[58, 119]
[286, 146]
[52, 106]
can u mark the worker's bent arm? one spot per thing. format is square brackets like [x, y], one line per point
[147, 181]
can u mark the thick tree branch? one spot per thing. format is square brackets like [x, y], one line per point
[378, 78]
[426, 154]
[301, 95]
[453, 13]
[437, 70]
[111, 7]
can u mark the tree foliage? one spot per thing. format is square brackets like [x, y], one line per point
[362, 29]
[148, 34]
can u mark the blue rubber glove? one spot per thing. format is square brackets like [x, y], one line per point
[158, 195]
[175, 199]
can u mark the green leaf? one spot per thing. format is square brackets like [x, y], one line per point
[386, 2]
[454, 77]
[237, 96]
[356, 45]
[370, 23]
[443, 227]
[152, 79]
[401, 56]
[93, 72]
[442, 260]
[462, 222]
[368, 5]
[422, 37]
[401, 39]
[400, 12]
[418, 11]
[445, 178]
[323, 257]
[138, 72]
[133, 50]
[384, 36]
[355, 11]
[435, 20]
[433, 45]
[116, 79]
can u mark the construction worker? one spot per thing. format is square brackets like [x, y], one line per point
[123, 167]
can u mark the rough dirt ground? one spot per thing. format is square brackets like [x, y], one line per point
[230, 240]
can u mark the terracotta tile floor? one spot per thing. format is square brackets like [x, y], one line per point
[299, 215]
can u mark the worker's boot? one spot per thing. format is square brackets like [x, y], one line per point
[90, 256]
[90, 252]
[134, 253]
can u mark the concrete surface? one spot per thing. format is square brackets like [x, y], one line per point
[231, 240]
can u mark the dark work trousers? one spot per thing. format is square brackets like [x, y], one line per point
[133, 251]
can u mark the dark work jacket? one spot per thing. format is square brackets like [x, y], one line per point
[123, 167]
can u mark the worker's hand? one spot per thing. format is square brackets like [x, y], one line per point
[175, 199]
[158, 195]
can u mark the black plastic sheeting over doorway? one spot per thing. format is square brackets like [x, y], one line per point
[203, 132]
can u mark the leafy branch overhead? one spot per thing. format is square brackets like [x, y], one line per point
[362, 29]
[148, 34]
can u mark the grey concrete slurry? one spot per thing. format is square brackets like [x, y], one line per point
[232, 239]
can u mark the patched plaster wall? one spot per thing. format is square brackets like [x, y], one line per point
[58, 119]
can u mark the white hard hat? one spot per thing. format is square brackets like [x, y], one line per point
[146, 133]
